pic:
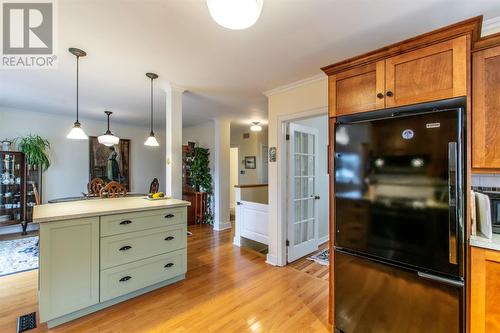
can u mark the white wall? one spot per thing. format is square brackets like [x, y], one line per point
[321, 124]
[234, 171]
[306, 99]
[249, 147]
[203, 135]
[69, 173]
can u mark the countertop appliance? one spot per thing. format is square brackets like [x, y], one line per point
[494, 194]
[399, 219]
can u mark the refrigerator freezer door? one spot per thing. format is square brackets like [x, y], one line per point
[372, 297]
[396, 190]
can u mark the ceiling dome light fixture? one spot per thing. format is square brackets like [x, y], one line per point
[108, 139]
[151, 140]
[256, 127]
[77, 132]
[235, 14]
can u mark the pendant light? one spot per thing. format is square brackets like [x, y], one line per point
[108, 139]
[151, 140]
[235, 14]
[256, 127]
[77, 132]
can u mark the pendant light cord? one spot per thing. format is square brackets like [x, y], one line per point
[77, 79]
[151, 105]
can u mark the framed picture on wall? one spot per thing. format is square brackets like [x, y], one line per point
[110, 163]
[250, 162]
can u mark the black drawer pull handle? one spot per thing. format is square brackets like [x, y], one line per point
[169, 216]
[125, 278]
[125, 248]
[125, 222]
[169, 238]
[169, 265]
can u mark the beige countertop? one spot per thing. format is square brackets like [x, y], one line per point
[485, 243]
[99, 207]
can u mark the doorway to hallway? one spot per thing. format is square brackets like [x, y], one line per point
[306, 187]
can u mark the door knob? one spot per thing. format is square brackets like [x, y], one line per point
[390, 94]
[380, 95]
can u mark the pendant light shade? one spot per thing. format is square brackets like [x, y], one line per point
[108, 139]
[77, 133]
[256, 127]
[151, 140]
[235, 14]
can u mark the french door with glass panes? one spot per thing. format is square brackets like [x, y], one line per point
[302, 198]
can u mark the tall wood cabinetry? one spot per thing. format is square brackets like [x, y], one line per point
[427, 68]
[485, 300]
[426, 74]
[486, 109]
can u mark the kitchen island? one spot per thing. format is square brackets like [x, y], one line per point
[96, 253]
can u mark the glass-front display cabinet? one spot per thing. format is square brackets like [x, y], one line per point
[12, 188]
[20, 189]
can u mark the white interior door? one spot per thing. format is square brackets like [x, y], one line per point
[302, 196]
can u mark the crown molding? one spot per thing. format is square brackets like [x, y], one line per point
[491, 26]
[296, 84]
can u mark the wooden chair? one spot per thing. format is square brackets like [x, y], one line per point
[94, 187]
[113, 190]
[155, 186]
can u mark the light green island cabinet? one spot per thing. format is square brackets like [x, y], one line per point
[97, 253]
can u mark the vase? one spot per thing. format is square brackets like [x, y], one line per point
[6, 145]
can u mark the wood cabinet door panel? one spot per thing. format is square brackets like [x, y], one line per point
[486, 109]
[356, 90]
[428, 74]
[485, 287]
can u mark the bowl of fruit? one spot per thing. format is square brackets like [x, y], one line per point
[157, 196]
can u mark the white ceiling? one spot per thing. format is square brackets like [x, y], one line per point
[224, 71]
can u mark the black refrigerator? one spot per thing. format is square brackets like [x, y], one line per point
[399, 220]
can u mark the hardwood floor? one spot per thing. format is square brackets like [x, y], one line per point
[228, 289]
[311, 267]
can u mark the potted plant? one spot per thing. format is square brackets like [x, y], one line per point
[201, 178]
[35, 149]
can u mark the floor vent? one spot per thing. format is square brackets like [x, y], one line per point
[26, 322]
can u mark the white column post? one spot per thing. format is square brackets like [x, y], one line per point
[222, 165]
[238, 221]
[173, 136]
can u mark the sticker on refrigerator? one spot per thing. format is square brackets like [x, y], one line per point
[407, 134]
[433, 125]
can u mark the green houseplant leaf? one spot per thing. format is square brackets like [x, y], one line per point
[35, 149]
[201, 178]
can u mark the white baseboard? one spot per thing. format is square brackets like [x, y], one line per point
[17, 229]
[323, 240]
[222, 226]
[237, 241]
[271, 260]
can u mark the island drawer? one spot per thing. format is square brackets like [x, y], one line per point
[125, 248]
[124, 279]
[129, 222]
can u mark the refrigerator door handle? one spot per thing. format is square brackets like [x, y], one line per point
[452, 202]
[451, 282]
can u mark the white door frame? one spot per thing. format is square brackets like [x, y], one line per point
[282, 189]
